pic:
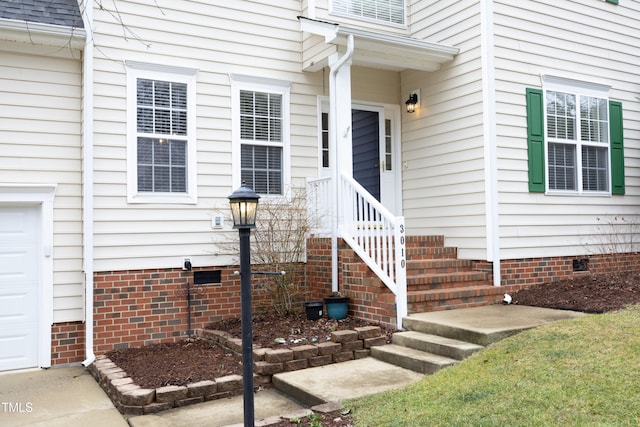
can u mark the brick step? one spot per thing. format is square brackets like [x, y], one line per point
[416, 253]
[454, 280]
[409, 358]
[424, 241]
[442, 265]
[445, 299]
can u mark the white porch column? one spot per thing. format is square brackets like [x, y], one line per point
[339, 139]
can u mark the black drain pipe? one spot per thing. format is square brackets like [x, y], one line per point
[187, 266]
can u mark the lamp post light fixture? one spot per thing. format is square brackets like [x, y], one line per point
[244, 204]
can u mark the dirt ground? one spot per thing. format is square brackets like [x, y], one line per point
[193, 360]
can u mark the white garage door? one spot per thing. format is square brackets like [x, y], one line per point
[19, 286]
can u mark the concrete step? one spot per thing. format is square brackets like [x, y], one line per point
[447, 347]
[338, 382]
[410, 358]
[418, 324]
[483, 325]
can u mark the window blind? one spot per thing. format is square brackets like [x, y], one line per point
[391, 11]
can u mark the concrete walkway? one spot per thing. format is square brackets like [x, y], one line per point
[56, 397]
[224, 412]
[71, 397]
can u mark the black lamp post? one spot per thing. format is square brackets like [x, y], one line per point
[244, 204]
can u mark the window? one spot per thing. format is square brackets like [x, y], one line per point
[325, 139]
[575, 139]
[387, 11]
[162, 136]
[161, 147]
[388, 147]
[261, 133]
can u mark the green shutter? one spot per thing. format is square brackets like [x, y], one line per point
[535, 139]
[617, 147]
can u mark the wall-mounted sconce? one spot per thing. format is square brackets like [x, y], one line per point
[412, 102]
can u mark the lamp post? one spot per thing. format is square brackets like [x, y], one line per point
[244, 204]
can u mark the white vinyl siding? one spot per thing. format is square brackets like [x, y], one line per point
[442, 142]
[40, 119]
[580, 40]
[216, 38]
[162, 144]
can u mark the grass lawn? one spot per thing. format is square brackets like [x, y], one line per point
[581, 372]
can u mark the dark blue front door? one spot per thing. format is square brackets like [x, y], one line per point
[366, 154]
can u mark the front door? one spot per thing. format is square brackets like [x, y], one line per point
[366, 151]
[375, 158]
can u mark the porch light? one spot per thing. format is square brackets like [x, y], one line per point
[412, 102]
[244, 204]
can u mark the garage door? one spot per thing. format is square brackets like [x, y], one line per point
[19, 286]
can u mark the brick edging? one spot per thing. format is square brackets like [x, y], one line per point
[131, 399]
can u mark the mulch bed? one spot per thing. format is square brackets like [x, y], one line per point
[195, 360]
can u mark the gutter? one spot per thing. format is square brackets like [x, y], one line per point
[336, 172]
[87, 181]
[43, 34]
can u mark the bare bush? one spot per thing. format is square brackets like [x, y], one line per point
[279, 244]
[616, 245]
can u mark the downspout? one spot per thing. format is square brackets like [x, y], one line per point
[490, 143]
[333, 116]
[87, 182]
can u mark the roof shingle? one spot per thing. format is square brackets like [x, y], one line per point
[55, 12]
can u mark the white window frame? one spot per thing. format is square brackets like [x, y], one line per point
[579, 89]
[139, 70]
[257, 84]
[333, 11]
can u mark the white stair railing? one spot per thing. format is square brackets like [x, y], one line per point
[320, 204]
[374, 233]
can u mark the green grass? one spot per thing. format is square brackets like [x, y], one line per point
[581, 372]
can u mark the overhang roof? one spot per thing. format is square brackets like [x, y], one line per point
[65, 13]
[380, 50]
[55, 23]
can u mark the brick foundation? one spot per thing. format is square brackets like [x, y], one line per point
[136, 308]
[534, 271]
[67, 343]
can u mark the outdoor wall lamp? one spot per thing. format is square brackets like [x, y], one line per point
[244, 205]
[412, 102]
